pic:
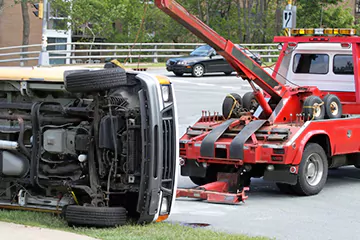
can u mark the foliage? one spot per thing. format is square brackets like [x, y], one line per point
[241, 21]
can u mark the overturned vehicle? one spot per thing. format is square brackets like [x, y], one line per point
[98, 146]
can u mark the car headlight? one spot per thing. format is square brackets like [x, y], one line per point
[166, 93]
[164, 206]
[182, 63]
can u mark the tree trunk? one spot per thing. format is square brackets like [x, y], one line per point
[26, 25]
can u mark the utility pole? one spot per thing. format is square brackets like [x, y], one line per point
[44, 55]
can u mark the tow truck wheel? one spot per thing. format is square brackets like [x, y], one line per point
[313, 171]
[313, 108]
[333, 107]
[249, 101]
[228, 108]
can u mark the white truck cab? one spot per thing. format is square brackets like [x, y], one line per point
[328, 66]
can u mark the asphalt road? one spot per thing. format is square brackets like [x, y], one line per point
[332, 214]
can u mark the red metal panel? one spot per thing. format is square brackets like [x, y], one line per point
[356, 55]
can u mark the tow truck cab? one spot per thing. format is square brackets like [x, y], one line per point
[313, 127]
[328, 66]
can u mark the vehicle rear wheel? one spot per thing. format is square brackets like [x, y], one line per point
[333, 107]
[95, 81]
[94, 216]
[313, 171]
[314, 108]
[249, 101]
[198, 70]
[231, 105]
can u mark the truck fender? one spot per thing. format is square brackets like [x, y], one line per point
[307, 138]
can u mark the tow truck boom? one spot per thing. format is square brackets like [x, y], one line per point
[243, 65]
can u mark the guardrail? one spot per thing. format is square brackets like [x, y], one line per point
[81, 52]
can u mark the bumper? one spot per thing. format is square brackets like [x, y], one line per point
[179, 68]
[159, 153]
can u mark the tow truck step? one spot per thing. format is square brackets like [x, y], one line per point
[221, 191]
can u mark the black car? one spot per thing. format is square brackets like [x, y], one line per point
[204, 59]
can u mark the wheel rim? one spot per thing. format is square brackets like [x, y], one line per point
[314, 169]
[198, 70]
[253, 104]
[334, 108]
[317, 110]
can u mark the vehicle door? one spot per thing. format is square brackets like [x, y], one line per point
[217, 63]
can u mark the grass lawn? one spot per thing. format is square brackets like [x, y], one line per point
[151, 231]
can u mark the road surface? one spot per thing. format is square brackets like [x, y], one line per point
[330, 215]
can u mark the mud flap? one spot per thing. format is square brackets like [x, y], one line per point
[207, 148]
[237, 145]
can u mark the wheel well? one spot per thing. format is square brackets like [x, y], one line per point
[324, 141]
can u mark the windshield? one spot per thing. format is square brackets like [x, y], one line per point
[202, 51]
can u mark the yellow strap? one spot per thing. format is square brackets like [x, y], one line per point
[116, 62]
[73, 194]
[232, 109]
[314, 107]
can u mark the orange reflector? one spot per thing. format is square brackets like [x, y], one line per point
[163, 80]
[162, 218]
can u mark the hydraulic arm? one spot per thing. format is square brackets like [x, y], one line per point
[243, 65]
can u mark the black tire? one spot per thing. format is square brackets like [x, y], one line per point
[249, 101]
[303, 187]
[178, 74]
[285, 188]
[228, 104]
[333, 107]
[94, 216]
[308, 108]
[198, 70]
[95, 81]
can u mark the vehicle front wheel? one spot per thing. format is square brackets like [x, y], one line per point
[313, 171]
[198, 70]
[94, 216]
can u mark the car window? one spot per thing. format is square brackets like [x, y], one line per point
[343, 64]
[311, 63]
[202, 51]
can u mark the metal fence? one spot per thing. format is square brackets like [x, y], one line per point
[92, 53]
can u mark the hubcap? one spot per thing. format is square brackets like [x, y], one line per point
[199, 70]
[334, 108]
[314, 169]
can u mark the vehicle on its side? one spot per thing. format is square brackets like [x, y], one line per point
[98, 146]
[205, 59]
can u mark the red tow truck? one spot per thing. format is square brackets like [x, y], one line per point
[303, 122]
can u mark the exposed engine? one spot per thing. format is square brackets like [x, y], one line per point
[94, 139]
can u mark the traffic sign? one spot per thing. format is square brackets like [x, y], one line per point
[289, 18]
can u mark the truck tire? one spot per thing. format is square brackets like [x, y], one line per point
[313, 171]
[249, 101]
[228, 105]
[333, 107]
[95, 81]
[313, 108]
[94, 216]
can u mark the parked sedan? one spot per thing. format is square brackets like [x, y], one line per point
[204, 59]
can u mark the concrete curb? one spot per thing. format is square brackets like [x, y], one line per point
[23, 232]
